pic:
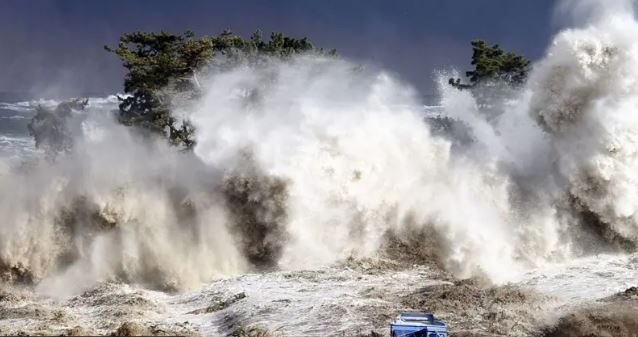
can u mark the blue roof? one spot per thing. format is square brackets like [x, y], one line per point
[410, 316]
[412, 322]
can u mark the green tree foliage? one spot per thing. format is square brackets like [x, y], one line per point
[492, 64]
[157, 64]
[49, 127]
[161, 65]
[495, 75]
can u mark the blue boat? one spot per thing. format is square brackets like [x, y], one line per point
[417, 325]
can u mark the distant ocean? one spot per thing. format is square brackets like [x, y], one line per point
[15, 115]
[16, 110]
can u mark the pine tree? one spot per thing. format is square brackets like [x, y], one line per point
[492, 64]
[162, 65]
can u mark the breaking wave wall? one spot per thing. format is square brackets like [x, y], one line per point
[304, 162]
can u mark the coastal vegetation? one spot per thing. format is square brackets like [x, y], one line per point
[162, 65]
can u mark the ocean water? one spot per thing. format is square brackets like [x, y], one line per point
[16, 111]
[312, 300]
[301, 165]
[15, 140]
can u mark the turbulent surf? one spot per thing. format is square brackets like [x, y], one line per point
[306, 169]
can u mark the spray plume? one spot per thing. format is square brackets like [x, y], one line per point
[305, 162]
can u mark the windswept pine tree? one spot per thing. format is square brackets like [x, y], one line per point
[162, 65]
[493, 64]
[496, 76]
[494, 79]
[154, 62]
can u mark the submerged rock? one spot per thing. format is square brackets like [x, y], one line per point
[130, 329]
[221, 305]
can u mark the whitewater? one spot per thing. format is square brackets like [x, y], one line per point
[322, 197]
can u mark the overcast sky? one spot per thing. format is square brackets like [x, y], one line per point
[57, 46]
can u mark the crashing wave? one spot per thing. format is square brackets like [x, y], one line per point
[313, 160]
